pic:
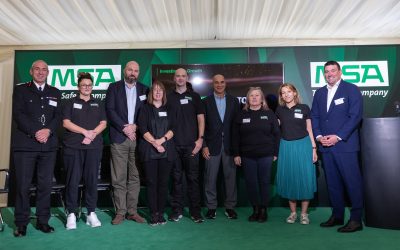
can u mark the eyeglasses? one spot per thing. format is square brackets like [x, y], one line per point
[89, 86]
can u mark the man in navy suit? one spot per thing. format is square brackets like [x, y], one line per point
[220, 110]
[336, 115]
[123, 103]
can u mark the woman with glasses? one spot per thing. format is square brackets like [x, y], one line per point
[157, 150]
[255, 142]
[84, 119]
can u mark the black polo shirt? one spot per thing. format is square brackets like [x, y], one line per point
[186, 107]
[87, 115]
[293, 121]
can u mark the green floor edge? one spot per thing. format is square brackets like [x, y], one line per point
[221, 234]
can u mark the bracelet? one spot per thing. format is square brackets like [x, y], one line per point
[314, 147]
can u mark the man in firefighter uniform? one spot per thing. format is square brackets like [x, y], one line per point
[36, 113]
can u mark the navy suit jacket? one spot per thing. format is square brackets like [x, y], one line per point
[343, 118]
[117, 108]
[214, 126]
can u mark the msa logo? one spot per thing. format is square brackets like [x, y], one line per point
[361, 73]
[64, 77]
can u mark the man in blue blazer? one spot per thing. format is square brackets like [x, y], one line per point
[336, 114]
[220, 110]
[123, 102]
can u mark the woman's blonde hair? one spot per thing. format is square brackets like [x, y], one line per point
[290, 86]
[264, 104]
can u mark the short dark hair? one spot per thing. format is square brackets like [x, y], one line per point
[84, 75]
[332, 63]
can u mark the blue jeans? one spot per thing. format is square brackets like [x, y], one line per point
[257, 174]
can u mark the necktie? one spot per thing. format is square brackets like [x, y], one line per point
[40, 89]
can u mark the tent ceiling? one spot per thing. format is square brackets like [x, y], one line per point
[65, 22]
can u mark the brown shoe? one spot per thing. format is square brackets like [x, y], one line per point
[118, 219]
[136, 217]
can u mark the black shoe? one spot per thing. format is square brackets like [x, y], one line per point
[161, 219]
[197, 218]
[175, 216]
[331, 222]
[350, 227]
[153, 220]
[45, 228]
[20, 231]
[262, 215]
[254, 216]
[211, 214]
[231, 214]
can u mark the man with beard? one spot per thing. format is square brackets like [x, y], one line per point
[123, 103]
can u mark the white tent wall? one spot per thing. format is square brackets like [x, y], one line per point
[43, 22]
[6, 87]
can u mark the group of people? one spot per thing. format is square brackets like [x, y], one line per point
[170, 131]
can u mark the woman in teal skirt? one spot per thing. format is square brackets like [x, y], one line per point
[296, 179]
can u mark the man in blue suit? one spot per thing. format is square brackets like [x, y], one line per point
[336, 114]
[123, 103]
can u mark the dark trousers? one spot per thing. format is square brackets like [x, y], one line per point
[25, 165]
[81, 163]
[343, 174]
[190, 164]
[257, 174]
[157, 176]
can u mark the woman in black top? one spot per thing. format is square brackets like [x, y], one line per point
[84, 119]
[295, 179]
[255, 142]
[157, 150]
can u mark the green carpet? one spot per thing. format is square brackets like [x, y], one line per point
[221, 234]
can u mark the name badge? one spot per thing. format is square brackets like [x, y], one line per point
[52, 103]
[161, 114]
[339, 101]
[77, 106]
[184, 101]
[264, 117]
[298, 116]
[94, 104]
[246, 120]
[142, 97]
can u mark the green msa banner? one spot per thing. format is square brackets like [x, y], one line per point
[375, 69]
